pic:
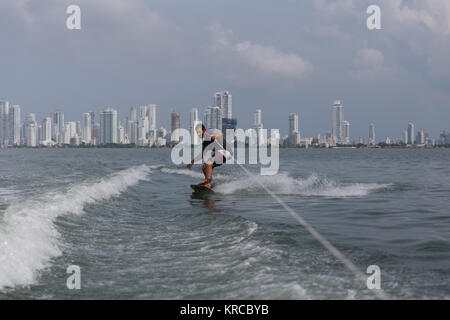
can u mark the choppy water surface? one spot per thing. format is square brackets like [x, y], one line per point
[128, 218]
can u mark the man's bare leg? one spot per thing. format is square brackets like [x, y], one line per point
[207, 169]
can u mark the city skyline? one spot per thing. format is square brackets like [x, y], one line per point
[310, 53]
[140, 126]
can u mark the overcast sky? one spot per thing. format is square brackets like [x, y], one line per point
[282, 56]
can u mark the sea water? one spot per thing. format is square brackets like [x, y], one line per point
[129, 220]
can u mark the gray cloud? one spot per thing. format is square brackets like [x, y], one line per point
[264, 59]
[292, 56]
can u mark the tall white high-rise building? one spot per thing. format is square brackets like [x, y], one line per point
[143, 112]
[131, 127]
[405, 136]
[108, 126]
[213, 118]
[207, 117]
[346, 132]
[216, 118]
[224, 101]
[174, 126]
[193, 118]
[293, 122]
[79, 133]
[133, 114]
[31, 131]
[258, 126]
[151, 113]
[372, 138]
[86, 128]
[121, 134]
[132, 131]
[338, 118]
[411, 137]
[57, 126]
[294, 134]
[142, 130]
[69, 132]
[46, 131]
[195, 139]
[14, 125]
[420, 137]
[4, 123]
[257, 121]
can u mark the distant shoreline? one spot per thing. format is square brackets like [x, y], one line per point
[120, 146]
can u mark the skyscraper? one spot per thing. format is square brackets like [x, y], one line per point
[4, 123]
[207, 117]
[293, 122]
[69, 132]
[151, 112]
[108, 126]
[132, 126]
[405, 136]
[86, 128]
[57, 126]
[193, 122]
[346, 132]
[121, 134]
[133, 114]
[175, 124]
[338, 117]
[257, 122]
[14, 125]
[258, 126]
[228, 124]
[132, 131]
[78, 128]
[223, 100]
[411, 137]
[420, 137]
[294, 134]
[193, 118]
[213, 118]
[143, 125]
[46, 131]
[372, 139]
[31, 131]
[216, 118]
[94, 133]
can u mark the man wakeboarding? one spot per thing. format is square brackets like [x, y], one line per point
[212, 139]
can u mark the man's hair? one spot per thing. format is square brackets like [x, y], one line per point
[200, 125]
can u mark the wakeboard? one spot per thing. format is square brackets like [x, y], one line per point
[203, 189]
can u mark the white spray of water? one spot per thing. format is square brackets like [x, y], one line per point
[314, 185]
[28, 236]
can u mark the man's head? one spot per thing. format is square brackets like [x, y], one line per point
[200, 129]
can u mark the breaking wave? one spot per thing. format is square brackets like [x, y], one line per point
[314, 185]
[28, 236]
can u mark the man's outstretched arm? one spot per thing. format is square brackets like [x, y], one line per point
[198, 157]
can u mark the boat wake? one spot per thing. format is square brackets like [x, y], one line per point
[28, 235]
[314, 185]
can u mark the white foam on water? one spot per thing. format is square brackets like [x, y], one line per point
[28, 236]
[314, 185]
